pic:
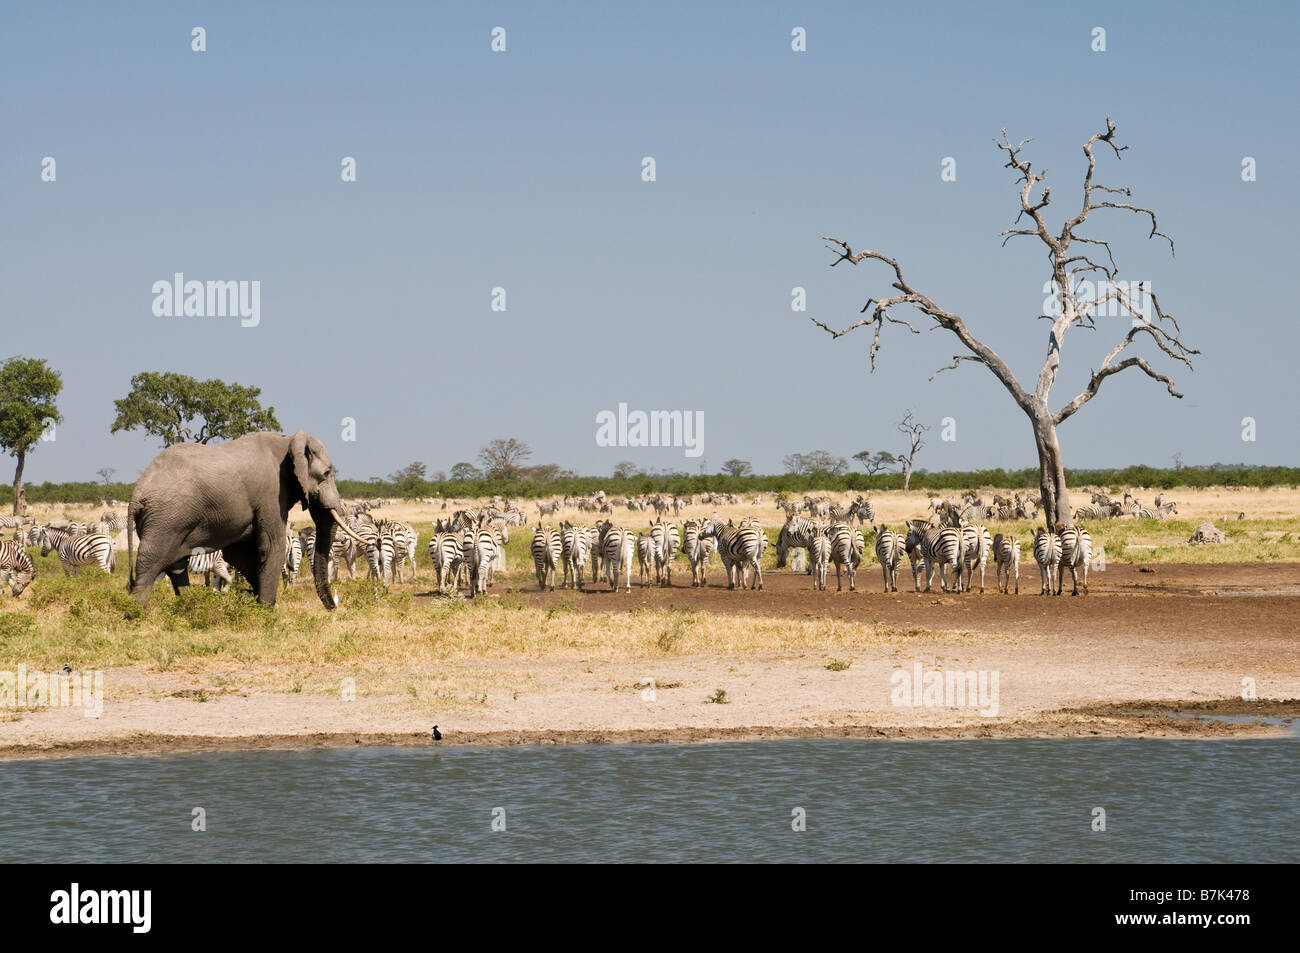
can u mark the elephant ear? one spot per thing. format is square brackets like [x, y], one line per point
[300, 451]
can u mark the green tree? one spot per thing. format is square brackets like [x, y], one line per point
[181, 409]
[466, 471]
[737, 467]
[874, 463]
[503, 457]
[28, 389]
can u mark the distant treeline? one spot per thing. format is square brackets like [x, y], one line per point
[715, 483]
[685, 485]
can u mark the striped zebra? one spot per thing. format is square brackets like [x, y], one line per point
[292, 556]
[1076, 554]
[741, 548]
[1158, 513]
[889, 553]
[547, 551]
[548, 509]
[480, 549]
[846, 552]
[575, 549]
[798, 532]
[16, 567]
[667, 540]
[1006, 557]
[447, 553]
[366, 529]
[645, 558]
[216, 571]
[819, 558]
[939, 548]
[405, 540]
[976, 543]
[697, 549]
[1047, 553]
[77, 551]
[863, 510]
[616, 547]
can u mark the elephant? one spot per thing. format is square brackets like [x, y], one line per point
[234, 497]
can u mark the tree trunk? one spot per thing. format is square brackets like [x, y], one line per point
[20, 496]
[1051, 475]
[907, 475]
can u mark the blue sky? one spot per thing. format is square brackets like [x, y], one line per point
[522, 170]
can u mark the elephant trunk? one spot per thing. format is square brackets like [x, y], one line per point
[321, 557]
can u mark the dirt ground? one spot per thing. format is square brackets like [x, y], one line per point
[1135, 657]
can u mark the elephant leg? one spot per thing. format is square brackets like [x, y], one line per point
[243, 557]
[270, 564]
[179, 574]
[150, 563]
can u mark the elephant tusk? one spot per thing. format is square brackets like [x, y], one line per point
[346, 529]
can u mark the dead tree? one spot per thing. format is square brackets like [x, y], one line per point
[1076, 302]
[912, 430]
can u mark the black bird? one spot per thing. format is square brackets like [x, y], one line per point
[437, 735]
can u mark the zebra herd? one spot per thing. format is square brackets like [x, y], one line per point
[1103, 507]
[77, 543]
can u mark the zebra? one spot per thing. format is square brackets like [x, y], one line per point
[846, 552]
[646, 557]
[666, 551]
[797, 532]
[889, 552]
[548, 509]
[1006, 558]
[1076, 553]
[480, 548]
[740, 548]
[292, 556]
[1158, 513]
[941, 548]
[819, 557]
[546, 555]
[697, 549]
[446, 552]
[215, 569]
[616, 546]
[575, 546]
[976, 544]
[16, 567]
[1047, 553]
[77, 551]
[863, 509]
[367, 530]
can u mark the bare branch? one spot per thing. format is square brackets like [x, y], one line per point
[1166, 342]
[956, 359]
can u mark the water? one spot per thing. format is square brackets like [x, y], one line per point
[921, 801]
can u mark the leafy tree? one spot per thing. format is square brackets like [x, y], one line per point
[817, 462]
[737, 468]
[169, 405]
[415, 470]
[874, 463]
[624, 469]
[502, 458]
[466, 471]
[28, 389]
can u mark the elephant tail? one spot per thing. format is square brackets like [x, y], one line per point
[131, 512]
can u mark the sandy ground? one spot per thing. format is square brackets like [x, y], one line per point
[1117, 662]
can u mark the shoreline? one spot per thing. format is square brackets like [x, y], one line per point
[1191, 720]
